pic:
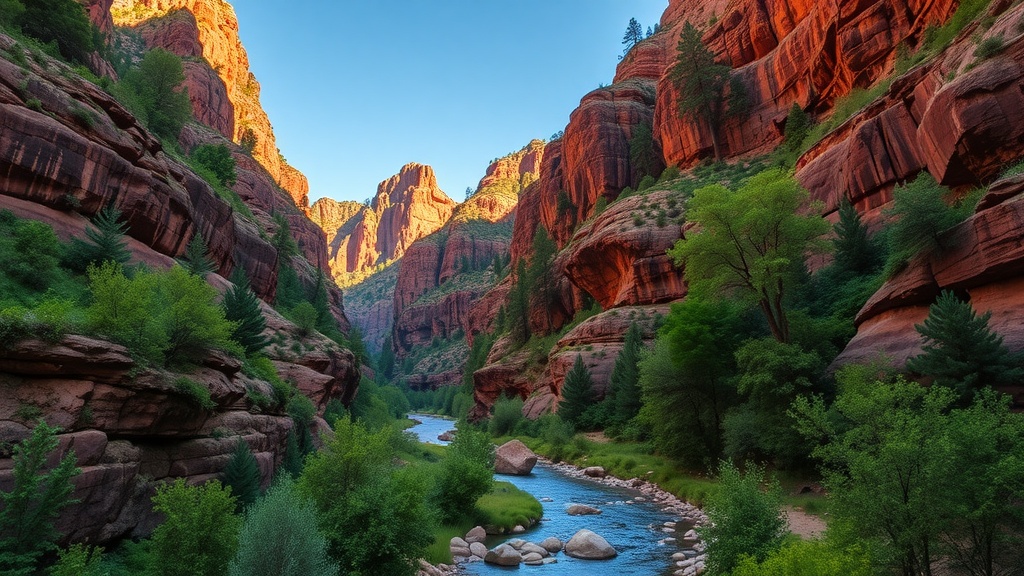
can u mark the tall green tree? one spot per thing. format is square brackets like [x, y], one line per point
[918, 216]
[242, 308]
[196, 259]
[518, 315]
[577, 394]
[961, 352]
[242, 475]
[159, 84]
[104, 242]
[751, 242]
[280, 538]
[701, 83]
[38, 495]
[63, 22]
[625, 379]
[643, 154]
[633, 36]
[199, 535]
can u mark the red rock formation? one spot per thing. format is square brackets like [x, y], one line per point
[787, 51]
[621, 263]
[215, 33]
[99, 14]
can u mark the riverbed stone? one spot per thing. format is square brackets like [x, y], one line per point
[478, 549]
[477, 534]
[504, 555]
[581, 510]
[518, 529]
[551, 544]
[589, 546]
[531, 548]
[513, 457]
[457, 542]
[595, 472]
[533, 559]
[460, 552]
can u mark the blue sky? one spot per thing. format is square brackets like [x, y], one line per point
[355, 90]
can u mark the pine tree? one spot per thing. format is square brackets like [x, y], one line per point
[242, 474]
[242, 307]
[283, 240]
[855, 252]
[292, 463]
[577, 394]
[625, 380]
[35, 500]
[518, 311]
[701, 83]
[104, 242]
[325, 322]
[196, 258]
[961, 352]
[633, 36]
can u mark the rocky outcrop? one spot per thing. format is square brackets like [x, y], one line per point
[619, 257]
[514, 458]
[209, 28]
[786, 51]
[131, 427]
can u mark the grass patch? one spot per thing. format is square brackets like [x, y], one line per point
[195, 393]
[506, 507]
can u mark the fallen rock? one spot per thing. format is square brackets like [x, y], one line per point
[589, 546]
[513, 457]
[582, 510]
[504, 555]
[595, 472]
[477, 534]
[551, 544]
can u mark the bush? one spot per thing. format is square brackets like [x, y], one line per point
[29, 253]
[919, 215]
[989, 47]
[280, 538]
[466, 474]
[508, 412]
[197, 394]
[217, 158]
[63, 22]
[808, 557]
[743, 520]
[79, 560]
[154, 92]
[199, 535]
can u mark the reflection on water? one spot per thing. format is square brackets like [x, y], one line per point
[633, 529]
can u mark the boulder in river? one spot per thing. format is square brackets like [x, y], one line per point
[504, 555]
[513, 457]
[589, 546]
[581, 510]
[478, 549]
[533, 559]
[552, 544]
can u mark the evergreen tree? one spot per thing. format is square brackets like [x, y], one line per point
[797, 125]
[518, 311]
[325, 322]
[35, 500]
[634, 34]
[158, 88]
[242, 307]
[386, 360]
[625, 380]
[855, 252]
[642, 153]
[701, 83]
[577, 394]
[292, 463]
[242, 475]
[280, 538]
[961, 352]
[283, 240]
[196, 258]
[104, 242]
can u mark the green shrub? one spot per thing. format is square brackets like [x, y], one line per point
[809, 557]
[508, 412]
[195, 393]
[29, 254]
[989, 47]
[919, 215]
[216, 158]
[61, 22]
[79, 560]
[466, 474]
[199, 535]
[154, 90]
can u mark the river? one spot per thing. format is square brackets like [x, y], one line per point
[633, 528]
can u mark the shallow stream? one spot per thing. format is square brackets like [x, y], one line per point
[634, 529]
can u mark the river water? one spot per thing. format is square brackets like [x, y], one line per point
[633, 528]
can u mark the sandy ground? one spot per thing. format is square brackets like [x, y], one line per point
[803, 524]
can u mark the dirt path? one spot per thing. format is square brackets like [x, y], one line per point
[803, 524]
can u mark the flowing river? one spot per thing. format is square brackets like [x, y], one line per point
[634, 528]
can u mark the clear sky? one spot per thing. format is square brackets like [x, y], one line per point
[357, 89]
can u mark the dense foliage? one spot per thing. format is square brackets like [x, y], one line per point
[199, 535]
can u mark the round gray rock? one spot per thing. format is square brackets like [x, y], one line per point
[460, 551]
[504, 555]
[595, 472]
[477, 534]
[552, 544]
[531, 548]
[581, 510]
[457, 542]
[589, 546]
[478, 549]
[533, 559]
[513, 457]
